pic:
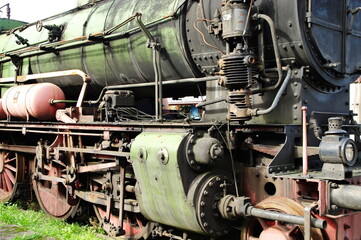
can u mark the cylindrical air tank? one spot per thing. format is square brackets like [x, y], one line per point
[33, 100]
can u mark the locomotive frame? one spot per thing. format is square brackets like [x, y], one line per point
[245, 170]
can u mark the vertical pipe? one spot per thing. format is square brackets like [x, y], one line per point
[156, 89]
[308, 219]
[304, 141]
[160, 88]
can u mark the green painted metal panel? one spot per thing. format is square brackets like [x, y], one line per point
[160, 191]
[6, 24]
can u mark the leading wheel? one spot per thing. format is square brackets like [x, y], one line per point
[262, 229]
[11, 174]
[52, 195]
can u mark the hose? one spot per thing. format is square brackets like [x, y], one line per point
[276, 100]
[276, 52]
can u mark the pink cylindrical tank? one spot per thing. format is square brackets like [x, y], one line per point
[33, 100]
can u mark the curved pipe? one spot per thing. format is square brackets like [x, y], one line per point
[276, 51]
[275, 102]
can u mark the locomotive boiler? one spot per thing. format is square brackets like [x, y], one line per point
[274, 156]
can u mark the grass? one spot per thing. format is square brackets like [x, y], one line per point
[42, 225]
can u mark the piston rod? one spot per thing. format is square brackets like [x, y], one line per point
[231, 207]
[282, 217]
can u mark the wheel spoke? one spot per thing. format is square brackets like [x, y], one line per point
[8, 183]
[1, 180]
[293, 231]
[10, 175]
[5, 188]
[8, 166]
[263, 223]
[47, 168]
[8, 160]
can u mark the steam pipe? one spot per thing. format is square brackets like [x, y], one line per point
[275, 102]
[276, 52]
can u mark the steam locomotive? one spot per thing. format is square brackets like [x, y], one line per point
[274, 156]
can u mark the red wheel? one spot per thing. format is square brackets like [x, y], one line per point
[134, 224]
[262, 229]
[11, 174]
[51, 195]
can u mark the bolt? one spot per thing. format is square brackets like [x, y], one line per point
[334, 207]
[189, 152]
[205, 224]
[203, 214]
[203, 203]
[334, 185]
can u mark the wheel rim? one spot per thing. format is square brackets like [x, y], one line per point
[261, 229]
[11, 174]
[51, 195]
[134, 224]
